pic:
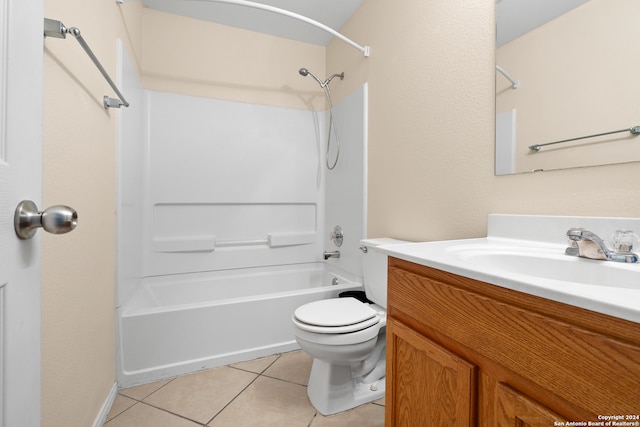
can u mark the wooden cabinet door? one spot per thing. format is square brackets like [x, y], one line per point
[514, 409]
[426, 384]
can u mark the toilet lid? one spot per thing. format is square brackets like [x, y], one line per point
[335, 312]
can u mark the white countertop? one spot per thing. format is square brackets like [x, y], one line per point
[614, 289]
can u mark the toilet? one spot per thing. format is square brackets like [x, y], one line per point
[346, 338]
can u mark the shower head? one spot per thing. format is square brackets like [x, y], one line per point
[325, 86]
[304, 72]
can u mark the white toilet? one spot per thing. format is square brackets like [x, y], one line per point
[346, 339]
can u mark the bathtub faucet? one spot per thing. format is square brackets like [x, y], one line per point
[331, 254]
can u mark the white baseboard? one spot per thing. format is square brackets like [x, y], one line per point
[101, 418]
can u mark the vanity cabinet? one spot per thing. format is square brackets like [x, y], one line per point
[461, 352]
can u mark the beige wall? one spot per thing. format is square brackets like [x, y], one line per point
[431, 131]
[576, 78]
[78, 349]
[202, 58]
[431, 127]
[78, 269]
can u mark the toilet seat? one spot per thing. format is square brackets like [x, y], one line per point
[335, 316]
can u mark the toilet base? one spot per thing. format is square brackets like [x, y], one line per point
[332, 389]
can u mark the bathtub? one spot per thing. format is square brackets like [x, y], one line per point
[183, 323]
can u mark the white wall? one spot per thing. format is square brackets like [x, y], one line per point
[223, 176]
[345, 194]
[204, 182]
[78, 269]
[130, 195]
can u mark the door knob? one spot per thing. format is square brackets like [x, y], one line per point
[56, 219]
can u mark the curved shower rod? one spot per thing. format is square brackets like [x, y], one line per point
[514, 83]
[364, 49]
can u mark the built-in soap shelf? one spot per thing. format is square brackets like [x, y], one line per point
[210, 243]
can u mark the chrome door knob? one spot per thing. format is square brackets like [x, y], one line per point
[56, 219]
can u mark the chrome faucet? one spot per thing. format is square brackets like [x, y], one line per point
[331, 254]
[589, 245]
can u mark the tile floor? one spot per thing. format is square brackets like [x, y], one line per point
[271, 391]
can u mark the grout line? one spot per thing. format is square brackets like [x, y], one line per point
[271, 364]
[160, 388]
[258, 375]
[261, 372]
[140, 402]
[122, 412]
[312, 419]
[154, 391]
[235, 397]
[286, 381]
[153, 406]
[173, 413]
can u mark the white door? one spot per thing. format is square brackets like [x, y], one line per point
[21, 80]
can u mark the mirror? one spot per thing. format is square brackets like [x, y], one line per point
[576, 75]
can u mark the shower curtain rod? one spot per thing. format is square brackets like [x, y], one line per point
[514, 83]
[364, 49]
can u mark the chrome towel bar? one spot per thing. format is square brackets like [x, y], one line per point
[53, 28]
[635, 130]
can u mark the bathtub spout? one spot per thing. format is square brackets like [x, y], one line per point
[331, 254]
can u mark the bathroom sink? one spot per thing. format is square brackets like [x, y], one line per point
[527, 263]
[546, 262]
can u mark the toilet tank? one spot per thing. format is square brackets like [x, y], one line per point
[374, 269]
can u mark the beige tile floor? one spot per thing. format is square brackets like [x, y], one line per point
[271, 391]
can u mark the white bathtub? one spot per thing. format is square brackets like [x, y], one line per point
[183, 323]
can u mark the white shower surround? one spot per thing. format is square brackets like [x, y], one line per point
[209, 188]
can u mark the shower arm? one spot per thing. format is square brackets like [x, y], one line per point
[364, 49]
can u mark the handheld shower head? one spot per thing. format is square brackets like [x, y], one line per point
[304, 72]
[325, 86]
